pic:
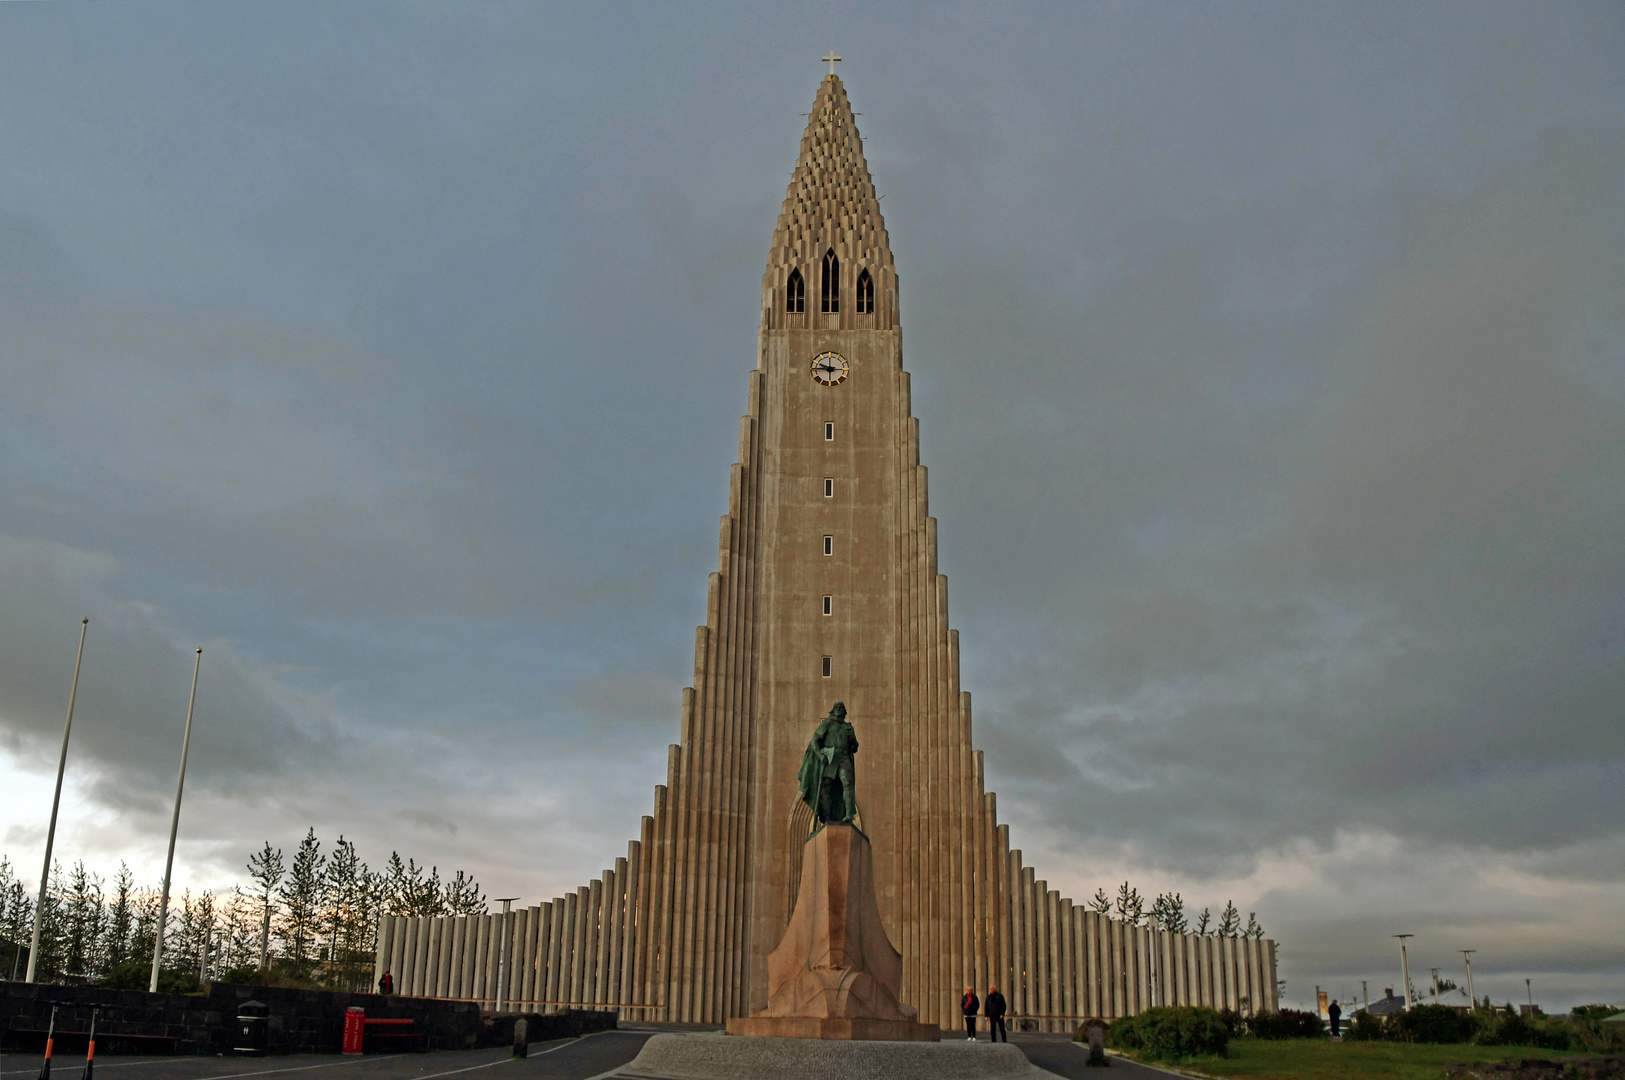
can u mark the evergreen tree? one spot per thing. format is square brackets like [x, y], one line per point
[1254, 931]
[1229, 920]
[301, 896]
[1101, 904]
[82, 914]
[1168, 913]
[120, 919]
[1130, 905]
[51, 936]
[266, 870]
[16, 920]
[463, 896]
[1202, 921]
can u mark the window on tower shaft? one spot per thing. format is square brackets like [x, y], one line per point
[829, 487]
[795, 293]
[829, 666]
[829, 605]
[830, 291]
[829, 545]
[866, 294]
[829, 431]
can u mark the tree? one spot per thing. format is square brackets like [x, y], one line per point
[301, 896]
[82, 912]
[1168, 913]
[120, 919]
[1254, 930]
[265, 870]
[1101, 904]
[463, 896]
[1229, 920]
[1202, 921]
[1130, 905]
[16, 917]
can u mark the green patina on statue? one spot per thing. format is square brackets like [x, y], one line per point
[826, 779]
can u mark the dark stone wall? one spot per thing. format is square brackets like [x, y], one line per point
[301, 1021]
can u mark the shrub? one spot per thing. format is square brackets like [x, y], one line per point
[1286, 1024]
[1366, 1028]
[1165, 1034]
[137, 975]
[1431, 1024]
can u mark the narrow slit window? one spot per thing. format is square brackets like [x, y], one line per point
[829, 666]
[829, 605]
[866, 294]
[795, 293]
[830, 289]
[829, 487]
[829, 545]
[829, 432]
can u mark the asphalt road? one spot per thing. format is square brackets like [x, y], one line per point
[562, 1059]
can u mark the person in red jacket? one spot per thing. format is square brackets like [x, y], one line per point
[969, 1005]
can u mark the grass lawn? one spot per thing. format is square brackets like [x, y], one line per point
[1322, 1059]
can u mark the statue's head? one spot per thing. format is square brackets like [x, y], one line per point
[839, 711]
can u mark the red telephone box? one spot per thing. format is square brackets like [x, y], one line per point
[355, 1027]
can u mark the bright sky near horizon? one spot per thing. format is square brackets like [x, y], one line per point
[1269, 361]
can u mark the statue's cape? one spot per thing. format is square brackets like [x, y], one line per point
[813, 767]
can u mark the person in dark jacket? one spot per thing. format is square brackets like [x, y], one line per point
[969, 1005]
[1335, 1015]
[994, 1011]
[386, 985]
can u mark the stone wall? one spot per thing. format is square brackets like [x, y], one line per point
[133, 1021]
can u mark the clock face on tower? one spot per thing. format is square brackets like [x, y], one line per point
[830, 368]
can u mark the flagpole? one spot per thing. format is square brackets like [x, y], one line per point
[56, 801]
[174, 826]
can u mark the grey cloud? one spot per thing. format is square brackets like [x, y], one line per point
[1268, 364]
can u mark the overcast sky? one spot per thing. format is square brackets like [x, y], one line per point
[1270, 363]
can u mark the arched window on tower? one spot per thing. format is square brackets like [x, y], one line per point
[795, 293]
[831, 289]
[866, 294]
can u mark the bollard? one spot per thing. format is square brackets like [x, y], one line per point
[1097, 1045]
[521, 1038]
[355, 1029]
[90, 1051]
[50, 1041]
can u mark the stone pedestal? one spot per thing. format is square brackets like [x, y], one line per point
[835, 974]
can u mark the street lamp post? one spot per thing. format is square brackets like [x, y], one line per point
[56, 800]
[502, 950]
[174, 826]
[1405, 968]
[1467, 954]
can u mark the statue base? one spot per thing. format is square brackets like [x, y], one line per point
[835, 975]
[812, 1027]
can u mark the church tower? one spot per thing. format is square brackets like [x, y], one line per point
[826, 589]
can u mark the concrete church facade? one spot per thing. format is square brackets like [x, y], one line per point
[826, 589]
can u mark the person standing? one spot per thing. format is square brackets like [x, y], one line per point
[994, 1010]
[969, 1005]
[386, 985]
[1335, 1015]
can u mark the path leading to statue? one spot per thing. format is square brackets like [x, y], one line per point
[1063, 1057]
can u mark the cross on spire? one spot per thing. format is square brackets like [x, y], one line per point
[833, 60]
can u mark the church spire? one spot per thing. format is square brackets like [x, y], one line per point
[830, 206]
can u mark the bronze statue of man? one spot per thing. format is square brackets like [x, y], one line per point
[826, 777]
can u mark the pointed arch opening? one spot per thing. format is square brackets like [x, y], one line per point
[866, 294]
[830, 292]
[795, 293]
